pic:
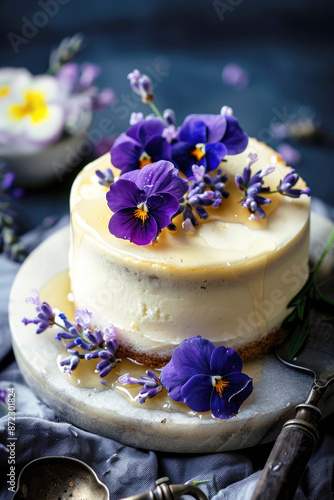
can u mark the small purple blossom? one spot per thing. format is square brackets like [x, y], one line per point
[105, 178]
[79, 92]
[204, 191]
[136, 118]
[169, 117]
[45, 316]
[206, 140]
[144, 202]
[286, 188]
[289, 154]
[235, 76]
[205, 377]
[252, 187]
[151, 385]
[70, 363]
[141, 85]
[140, 145]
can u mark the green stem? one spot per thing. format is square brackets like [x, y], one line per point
[63, 327]
[4, 406]
[272, 192]
[155, 110]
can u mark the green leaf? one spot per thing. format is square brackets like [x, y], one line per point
[298, 338]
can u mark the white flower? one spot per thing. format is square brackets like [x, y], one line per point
[31, 111]
[7, 78]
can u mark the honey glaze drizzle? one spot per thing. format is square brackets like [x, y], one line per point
[57, 293]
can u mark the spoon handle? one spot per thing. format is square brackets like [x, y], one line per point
[289, 456]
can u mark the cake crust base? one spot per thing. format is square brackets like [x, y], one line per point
[248, 352]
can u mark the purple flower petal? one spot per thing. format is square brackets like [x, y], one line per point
[227, 404]
[196, 392]
[144, 130]
[125, 153]
[225, 360]
[172, 381]
[123, 224]
[181, 155]
[206, 128]
[159, 177]
[158, 148]
[214, 154]
[124, 194]
[192, 357]
[162, 207]
[235, 139]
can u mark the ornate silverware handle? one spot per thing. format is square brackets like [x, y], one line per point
[166, 491]
[289, 456]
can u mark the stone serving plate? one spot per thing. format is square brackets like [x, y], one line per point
[108, 413]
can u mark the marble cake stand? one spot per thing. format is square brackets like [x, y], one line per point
[109, 414]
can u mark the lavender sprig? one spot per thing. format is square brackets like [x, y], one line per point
[142, 85]
[204, 191]
[151, 385]
[252, 187]
[78, 335]
[286, 186]
[9, 241]
[67, 49]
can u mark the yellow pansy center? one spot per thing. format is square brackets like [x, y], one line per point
[199, 151]
[144, 160]
[219, 384]
[141, 212]
[33, 106]
[4, 90]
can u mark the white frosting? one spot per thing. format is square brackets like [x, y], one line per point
[230, 281]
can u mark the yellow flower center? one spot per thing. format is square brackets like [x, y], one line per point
[141, 212]
[34, 106]
[144, 160]
[198, 152]
[219, 384]
[4, 90]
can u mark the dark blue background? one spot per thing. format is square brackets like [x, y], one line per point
[287, 48]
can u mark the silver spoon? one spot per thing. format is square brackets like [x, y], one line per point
[66, 478]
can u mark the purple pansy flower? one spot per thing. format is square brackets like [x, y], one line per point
[252, 186]
[151, 385]
[206, 140]
[205, 377]
[144, 202]
[140, 145]
[286, 186]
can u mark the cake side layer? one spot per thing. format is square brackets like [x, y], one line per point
[230, 282]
